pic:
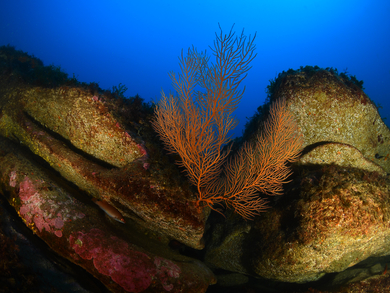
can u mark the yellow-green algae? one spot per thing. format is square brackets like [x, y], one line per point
[329, 110]
[339, 154]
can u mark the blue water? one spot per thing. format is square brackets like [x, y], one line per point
[137, 43]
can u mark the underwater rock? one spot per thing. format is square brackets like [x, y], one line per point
[77, 135]
[339, 154]
[333, 218]
[336, 211]
[28, 264]
[329, 108]
[83, 120]
[225, 249]
[119, 255]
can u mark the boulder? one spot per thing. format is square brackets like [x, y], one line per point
[77, 135]
[125, 258]
[336, 211]
[330, 108]
[65, 145]
[334, 218]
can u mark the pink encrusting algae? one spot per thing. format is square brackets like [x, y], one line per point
[12, 179]
[142, 149]
[166, 269]
[133, 270]
[39, 209]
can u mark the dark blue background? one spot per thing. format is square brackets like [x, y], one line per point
[137, 43]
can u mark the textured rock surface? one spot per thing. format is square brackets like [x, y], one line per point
[120, 256]
[84, 121]
[336, 212]
[65, 143]
[339, 154]
[74, 132]
[338, 218]
[74, 147]
[343, 218]
[327, 109]
[28, 265]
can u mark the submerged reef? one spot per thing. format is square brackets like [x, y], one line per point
[335, 211]
[63, 146]
[77, 134]
[64, 143]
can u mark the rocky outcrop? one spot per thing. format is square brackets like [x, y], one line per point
[75, 133]
[61, 147]
[341, 217]
[336, 211]
[121, 256]
[65, 145]
[329, 108]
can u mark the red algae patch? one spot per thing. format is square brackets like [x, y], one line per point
[165, 270]
[38, 209]
[133, 270]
